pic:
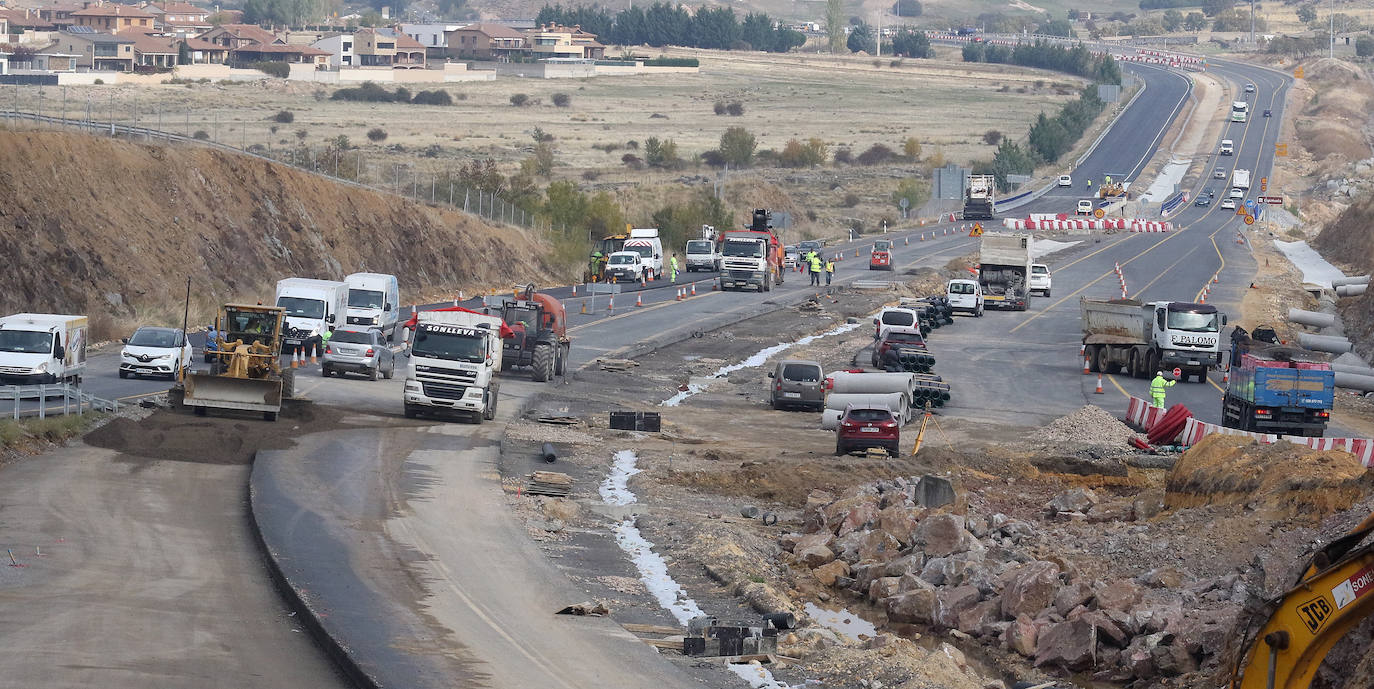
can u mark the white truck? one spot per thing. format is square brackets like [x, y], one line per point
[979, 193]
[42, 348]
[1004, 270]
[1240, 179]
[1144, 338]
[454, 356]
[311, 308]
[703, 254]
[374, 301]
[645, 241]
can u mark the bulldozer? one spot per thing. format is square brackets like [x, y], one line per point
[245, 374]
[1113, 190]
[541, 334]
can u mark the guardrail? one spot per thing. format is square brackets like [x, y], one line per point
[74, 400]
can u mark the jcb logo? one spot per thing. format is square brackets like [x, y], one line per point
[1315, 613]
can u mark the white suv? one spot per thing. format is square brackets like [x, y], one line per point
[965, 296]
[1040, 278]
[1085, 207]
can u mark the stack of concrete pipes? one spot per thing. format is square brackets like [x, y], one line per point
[1352, 286]
[1351, 372]
[892, 391]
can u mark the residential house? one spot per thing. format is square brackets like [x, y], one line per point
[410, 53]
[206, 53]
[486, 42]
[26, 27]
[234, 36]
[434, 37]
[58, 13]
[112, 18]
[552, 41]
[152, 50]
[373, 48]
[340, 49]
[55, 61]
[97, 51]
[279, 52]
[179, 18]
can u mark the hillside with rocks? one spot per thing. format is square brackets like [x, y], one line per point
[112, 229]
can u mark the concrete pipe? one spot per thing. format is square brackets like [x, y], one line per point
[1351, 290]
[1352, 368]
[1312, 318]
[830, 419]
[1324, 343]
[899, 403]
[1354, 381]
[1351, 280]
[872, 383]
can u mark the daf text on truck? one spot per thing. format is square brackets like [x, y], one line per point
[1124, 334]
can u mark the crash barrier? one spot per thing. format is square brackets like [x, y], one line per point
[1140, 414]
[1068, 223]
[1362, 448]
[1172, 204]
[1197, 430]
[74, 401]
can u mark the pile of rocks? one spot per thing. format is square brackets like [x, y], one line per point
[1088, 425]
[976, 575]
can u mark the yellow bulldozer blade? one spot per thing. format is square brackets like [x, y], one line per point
[222, 392]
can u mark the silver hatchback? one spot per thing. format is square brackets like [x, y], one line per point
[358, 351]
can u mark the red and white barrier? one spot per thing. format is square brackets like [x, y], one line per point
[1150, 226]
[1195, 431]
[1140, 414]
[1362, 448]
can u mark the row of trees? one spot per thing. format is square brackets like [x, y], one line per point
[905, 43]
[1211, 8]
[1049, 139]
[1045, 55]
[663, 24]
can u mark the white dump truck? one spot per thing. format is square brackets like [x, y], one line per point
[1124, 334]
[1004, 269]
[454, 357]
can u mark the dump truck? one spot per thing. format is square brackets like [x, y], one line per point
[539, 339]
[1004, 265]
[454, 356]
[751, 257]
[246, 373]
[1142, 338]
[979, 192]
[1275, 391]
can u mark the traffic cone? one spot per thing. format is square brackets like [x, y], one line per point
[295, 358]
[574, 290]
[610, 303]
[715, 284]
[1083, 350]
[639, 300]
[313, 351]
[906, 241]
[694, 289]
[1226, 375]
[680, 295]
[856, 253]
[584, 307]
[1085, 366]
[1214, 278]
[1098, 391]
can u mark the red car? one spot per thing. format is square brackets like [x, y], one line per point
[881, 257]
[864, 427]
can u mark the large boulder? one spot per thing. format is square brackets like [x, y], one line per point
[944, 534]
[1107, 629]
[1076, 500]
[815, 556]
[865, 573]
[878, 545]
[901, 521]
[911, 563]
[1122, 595]
[830, 571]
[1069, 597]
[813, 513]
[811, 541]
[852, 513]
[884, 587]
[978, 619]
[949, 602]
[1172, 658]
[1031, 589]
[1022, 636]
[1068, 645]
[912, 607]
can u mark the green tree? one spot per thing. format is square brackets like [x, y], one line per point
[907, 8]
[737, 146]
[1307, 14]
[1173, 20]
[565, 205]
[661, 153]
[1195, 21]
[183, 53]
[861, 39]
[834, 25]
[1212, 8]
[1011, 159]
[603, 215]
[915, 191]
[1056, 27]
[912, 44]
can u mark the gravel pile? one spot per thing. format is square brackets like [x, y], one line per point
[1091, 425]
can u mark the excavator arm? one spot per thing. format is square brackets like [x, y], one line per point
[1333, 595]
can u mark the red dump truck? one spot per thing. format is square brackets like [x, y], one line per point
[751, 257]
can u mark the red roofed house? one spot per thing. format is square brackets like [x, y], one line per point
[486, 42]
[112, 18]
[179, 17]
[280, 52]
[233, 36]
[151, 50]
[204, 52]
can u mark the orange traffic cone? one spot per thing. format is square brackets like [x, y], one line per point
[639, 300]
[856, 253]
[1098, 391]
[694, 289]
[574, 290]
[313, 352]
[1214, 278]
[680, 295]
[584, 307]
[715, 284]
[1085, 366]
[1226, 375]
[296, 358]
[610, 303]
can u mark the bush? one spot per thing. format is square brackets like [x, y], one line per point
[720, 108]
[713, 158]
[284, 117]
[280, 70]
[376, 135]
[99, 82]
[519, 100]
[435, 97]
[201, 134]
[737, 146]
[992, 137]
[673, 62]
[735, 109]
[1364, 46]
[368, 92]
[851, 200]
[632, 161]
[562, 100]
[843, 156]
[876, 154]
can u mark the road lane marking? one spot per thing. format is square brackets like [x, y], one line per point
[1117, 385]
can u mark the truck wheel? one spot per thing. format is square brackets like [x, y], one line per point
[199, 411]
[1112, 368]
[288, 383]
[542, 364]
[490, 412]
[561, 366]
[1133, 365]
[1094, 356]
[269, 416]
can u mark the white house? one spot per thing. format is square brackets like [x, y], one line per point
[432, 36]
[340, 49]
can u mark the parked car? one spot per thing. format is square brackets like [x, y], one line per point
[1203, 201]
[864, 427]
[895, 336]
[1219, 173]
[1065, 181]
[155, 352]
[965, 296]
[789, 257]
[1040, 278]
[358, 351]
[1228, 204]
[895, 315]
[1085, 207]
[797, 383]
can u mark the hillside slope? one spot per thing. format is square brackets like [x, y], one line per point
[112, 229]
[1347, 242]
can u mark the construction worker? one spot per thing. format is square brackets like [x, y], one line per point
[672, 268]
[829, 270]
[1157, 388]
[815, 267]
[1090, 185]
[805, 261]
[593, 266]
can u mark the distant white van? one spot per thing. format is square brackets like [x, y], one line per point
[312, 308]
[1228, 147]
[374, 301]
[965, 296]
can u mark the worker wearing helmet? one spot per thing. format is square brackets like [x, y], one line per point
[1090, 185]
[593, 266]
[1157, 388]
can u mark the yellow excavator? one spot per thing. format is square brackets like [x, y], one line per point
[245, 373]
[1331, 597]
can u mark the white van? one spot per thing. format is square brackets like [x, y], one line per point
[703, 254]
[1228, 147]
[645, 242]
[42, 348]
[374, 301]
[312, 307]
[965, 296]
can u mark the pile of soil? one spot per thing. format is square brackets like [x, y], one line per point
[183, 437]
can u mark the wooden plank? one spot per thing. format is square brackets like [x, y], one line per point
[665, 644]
[651, 628]
[747, 658]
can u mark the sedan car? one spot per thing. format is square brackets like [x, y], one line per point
[1085, 207]
[1065, 181]
[1237, 193]
[1228, 204]
[864, 427]
[358, 351]
[1249, 88]
[1268, 113]
[1219, 173]
[1203, 201]
[155, 352]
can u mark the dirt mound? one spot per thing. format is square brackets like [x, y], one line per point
[1348, 237]
[1329, 125]
[180, 437]
[112, 229]
[1282, 478]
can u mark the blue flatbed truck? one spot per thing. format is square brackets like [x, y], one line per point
[1285, 401]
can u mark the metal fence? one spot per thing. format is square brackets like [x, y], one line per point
[74, 401]
[344, 167]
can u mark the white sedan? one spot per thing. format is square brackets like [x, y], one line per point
[1228, 204]
[1065, 181]
[1085, 207]
[1237, 193]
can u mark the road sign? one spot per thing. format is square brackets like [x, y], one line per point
[1280, 149]
[1098, 213]
[1272, 200]
[1264, 184]
[1178, 372]
[1297, 72]
[1249, 220]
[1018, 179]
[1240, 210]
[903, 203]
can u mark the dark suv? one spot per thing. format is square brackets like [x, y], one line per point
[895, 337]
[864, 427]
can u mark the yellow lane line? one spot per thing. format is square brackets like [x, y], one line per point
[1118, 386]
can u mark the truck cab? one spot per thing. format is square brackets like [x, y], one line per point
[1187, 336]
[646, 243]
[312, 307]
[374, 301]
[881, 256]
[702, 254]
[454, 356]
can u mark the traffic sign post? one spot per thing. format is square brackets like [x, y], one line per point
[1178, 372]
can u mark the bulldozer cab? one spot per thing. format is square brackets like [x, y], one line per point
[252, 325]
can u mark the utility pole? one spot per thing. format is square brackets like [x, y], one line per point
[1252, 24]
[1331, 49]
